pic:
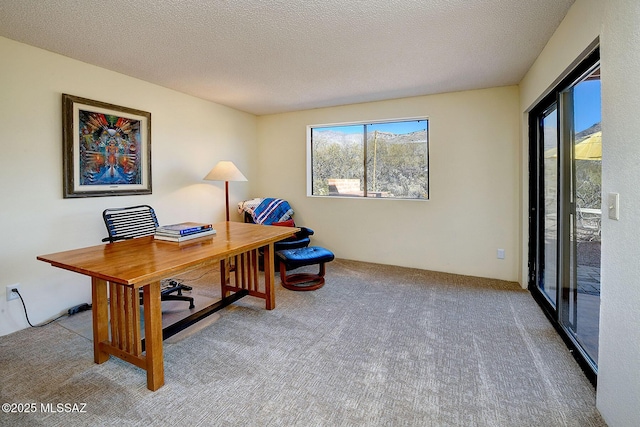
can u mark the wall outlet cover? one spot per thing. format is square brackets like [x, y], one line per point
[12, 295]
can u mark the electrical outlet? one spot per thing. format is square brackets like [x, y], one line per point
[12, 295]
[500, 253]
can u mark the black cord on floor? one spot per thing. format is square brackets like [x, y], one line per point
[27, 316]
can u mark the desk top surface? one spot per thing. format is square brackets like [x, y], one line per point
[144, 260]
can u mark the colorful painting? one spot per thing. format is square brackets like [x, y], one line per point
[107, 149]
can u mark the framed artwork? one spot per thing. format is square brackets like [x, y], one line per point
[107, 149]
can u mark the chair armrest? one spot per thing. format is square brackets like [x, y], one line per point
[113, 239]
[304, 232]
[291, 243]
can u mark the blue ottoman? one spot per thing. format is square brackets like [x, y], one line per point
[290, 259]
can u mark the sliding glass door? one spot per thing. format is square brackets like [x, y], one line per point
[547, 253]
[565, 208]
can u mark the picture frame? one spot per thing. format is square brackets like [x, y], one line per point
[107, 149]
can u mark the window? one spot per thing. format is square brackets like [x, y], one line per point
[387, 159]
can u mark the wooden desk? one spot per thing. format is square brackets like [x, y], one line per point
[128, 265]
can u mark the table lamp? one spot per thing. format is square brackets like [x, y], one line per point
[225, 171]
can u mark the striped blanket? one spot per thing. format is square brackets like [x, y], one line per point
[271, 210]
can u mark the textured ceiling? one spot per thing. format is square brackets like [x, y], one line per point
[273, 56]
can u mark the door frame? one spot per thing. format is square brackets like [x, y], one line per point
[536, 220]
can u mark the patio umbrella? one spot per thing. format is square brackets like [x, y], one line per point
[590, 148]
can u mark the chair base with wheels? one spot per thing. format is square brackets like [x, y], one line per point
[166, 293]
[290, 259]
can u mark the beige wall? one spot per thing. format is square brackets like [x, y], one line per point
[615, 22]
[188, 137]
[619, 361]
[474, 174]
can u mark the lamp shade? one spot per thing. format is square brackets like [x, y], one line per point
[225, 171]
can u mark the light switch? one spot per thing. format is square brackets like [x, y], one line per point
[614, 206]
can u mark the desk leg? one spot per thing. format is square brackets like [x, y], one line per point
[153, 335]
[224, 277]
[100, 310]
[269, 277]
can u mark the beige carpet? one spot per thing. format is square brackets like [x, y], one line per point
[376, 346]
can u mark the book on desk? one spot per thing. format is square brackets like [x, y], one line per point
[183, 231]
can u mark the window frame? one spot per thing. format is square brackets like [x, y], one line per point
[309, 159]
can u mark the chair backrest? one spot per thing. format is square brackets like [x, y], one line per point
[129, 222]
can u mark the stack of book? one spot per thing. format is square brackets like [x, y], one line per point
[184, 231]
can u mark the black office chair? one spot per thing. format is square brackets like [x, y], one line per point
[139, 221]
